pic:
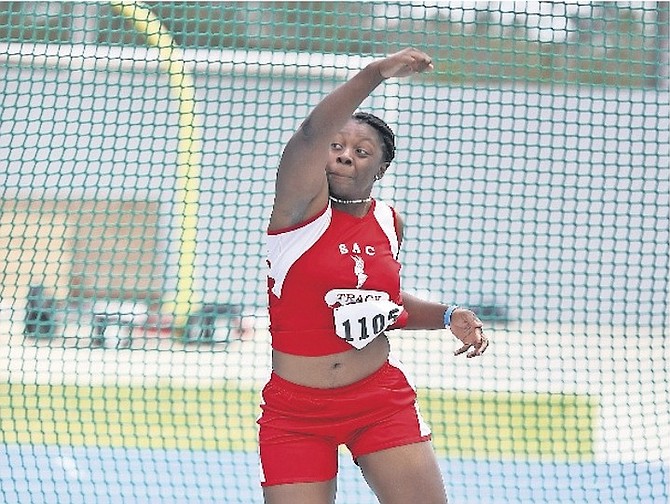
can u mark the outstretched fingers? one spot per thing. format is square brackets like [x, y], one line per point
[478, 347]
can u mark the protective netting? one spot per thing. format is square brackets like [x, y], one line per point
[138, 147]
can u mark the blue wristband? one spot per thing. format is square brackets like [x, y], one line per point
[447, 315]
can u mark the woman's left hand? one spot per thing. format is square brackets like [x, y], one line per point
[467, 327]
[404, 63]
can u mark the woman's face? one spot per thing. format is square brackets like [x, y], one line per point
[356, 158]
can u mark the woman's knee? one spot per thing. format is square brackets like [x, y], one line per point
[404, 474]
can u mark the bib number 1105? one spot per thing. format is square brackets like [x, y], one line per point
[359, 331]
[378, 323]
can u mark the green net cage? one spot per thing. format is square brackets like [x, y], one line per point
[139, 144]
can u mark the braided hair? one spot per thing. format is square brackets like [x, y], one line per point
[386, 133]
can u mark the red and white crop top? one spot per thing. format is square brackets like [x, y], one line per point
[334, 282]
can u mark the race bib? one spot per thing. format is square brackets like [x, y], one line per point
[360, 316]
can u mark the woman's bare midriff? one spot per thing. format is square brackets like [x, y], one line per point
[330, 371]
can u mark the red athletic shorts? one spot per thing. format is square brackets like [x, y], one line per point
[302, 427]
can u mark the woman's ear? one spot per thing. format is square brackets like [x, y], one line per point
[382, 170]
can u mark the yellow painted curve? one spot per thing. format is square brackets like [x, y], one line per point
[187, 183]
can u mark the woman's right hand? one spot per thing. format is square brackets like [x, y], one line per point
[406, 62]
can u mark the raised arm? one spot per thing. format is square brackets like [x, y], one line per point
[301, 187]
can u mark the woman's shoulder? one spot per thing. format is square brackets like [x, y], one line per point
[391, 223]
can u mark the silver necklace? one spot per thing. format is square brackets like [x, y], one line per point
[350, 201]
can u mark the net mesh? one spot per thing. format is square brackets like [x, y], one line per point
[140, 143]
